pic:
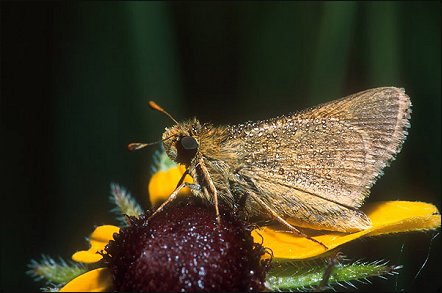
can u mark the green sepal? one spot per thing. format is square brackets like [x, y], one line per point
[56, 273]
[125, 204]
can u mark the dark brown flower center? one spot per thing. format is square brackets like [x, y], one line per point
[183, 248]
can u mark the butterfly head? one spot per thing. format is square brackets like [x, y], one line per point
[181, 141]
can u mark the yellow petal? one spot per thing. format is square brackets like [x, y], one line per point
[98, 280]
[98, 240]
[402, 216]
[86, 256]
[386, 217]
[163, 183]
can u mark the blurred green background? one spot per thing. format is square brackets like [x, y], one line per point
[76, 78]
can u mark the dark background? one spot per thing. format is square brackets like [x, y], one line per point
[76, 78]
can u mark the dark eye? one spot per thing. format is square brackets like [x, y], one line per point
[189, 143]
[187, 147]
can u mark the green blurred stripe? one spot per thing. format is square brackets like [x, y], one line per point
[276, 40]
[332, 51]
[383, 43]
[154, 55]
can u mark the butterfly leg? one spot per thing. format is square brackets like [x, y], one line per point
[282, 221]
[212, 188]
[173, 195]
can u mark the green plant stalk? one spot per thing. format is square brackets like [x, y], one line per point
[290, 276]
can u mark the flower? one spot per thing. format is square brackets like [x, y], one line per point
[116, 256]
[205, 256]
[184, 248]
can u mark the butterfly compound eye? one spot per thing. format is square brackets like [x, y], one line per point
[189, 143]
[187, 148]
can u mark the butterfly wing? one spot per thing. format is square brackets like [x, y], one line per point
[325, 159]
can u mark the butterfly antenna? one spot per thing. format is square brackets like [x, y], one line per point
[139, 145]
[154, 106]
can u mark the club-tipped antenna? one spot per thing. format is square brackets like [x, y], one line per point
[154, 106]
[139, 145]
